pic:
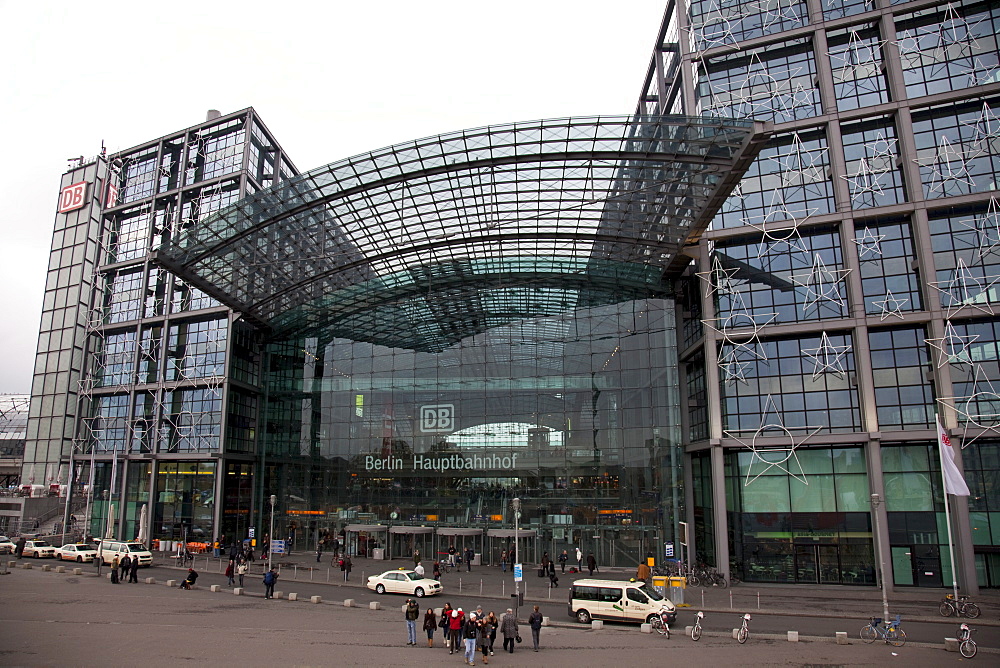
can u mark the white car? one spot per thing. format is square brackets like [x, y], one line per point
[6, 545]
[76, 552]
[404, 582]
[38, 549]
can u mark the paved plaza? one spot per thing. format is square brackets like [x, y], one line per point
[53, 619]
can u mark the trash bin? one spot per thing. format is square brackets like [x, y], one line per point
[660, 584]
[676, 589]
[378, 553]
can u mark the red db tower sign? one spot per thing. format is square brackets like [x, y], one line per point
[72, 197]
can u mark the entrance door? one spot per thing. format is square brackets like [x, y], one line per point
[902, 566]
[805, 563]
[828, 561]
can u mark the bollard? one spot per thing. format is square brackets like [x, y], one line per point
[480, 586]
[46, 568]
[758, 600]
[171, 583]
[60, 569]
[279, 594]
[687, 630]
[238, 591]
[842, 638]
[215, 588]
[374, 605]
[730, 599]
[703, 598]
[311, 574]
[545, 621]
[315, 599]
[328, 575]
[11, 564]
[793, 636]
[596, 625]
[151, 581]
[735, 633]
[503, 588]
[26, 566]
[348, 602]
[77, 571]
[293, 596]
[646, 628]
[459, 584]
[951, 644]
[295, 572]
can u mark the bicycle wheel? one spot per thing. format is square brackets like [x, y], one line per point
[658, 625]
[721, 581]
[693, 581]
[895, 637]
[968, 648]
[696, 633]
[971, 610]
[945, 609]
[742, 636]
[868, 634]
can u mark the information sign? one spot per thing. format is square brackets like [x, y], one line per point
[518, 573]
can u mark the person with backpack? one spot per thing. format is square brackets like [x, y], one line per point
[270, 579]
[535, 622]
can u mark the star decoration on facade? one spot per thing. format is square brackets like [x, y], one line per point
[734, 369]
[761, 93]
[736, 199]
[981, 73]
[880, 159]
[719, 279]
[779, 226]
[868, 242]
[822, 284]
[979, 410]
[778, 12]
[801, 166]
[859, 59]
[717, 27]
[964, 288]
[987, 229]
[949, 168]
[953, 348]
[985, 129]
[827, 357]
[833, 9]
[890, 306]
[779, 454]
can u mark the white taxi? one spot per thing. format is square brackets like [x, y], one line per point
[38, 549]
[79, 552]
[404, 582]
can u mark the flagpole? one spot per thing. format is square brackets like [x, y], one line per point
[947, 510]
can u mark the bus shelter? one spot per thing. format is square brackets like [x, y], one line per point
[404, 540]
[499, 540]
[365, 540]
[462, 538]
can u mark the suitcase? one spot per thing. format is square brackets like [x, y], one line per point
[541, 572]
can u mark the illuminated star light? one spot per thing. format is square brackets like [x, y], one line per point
[890, 306]
[780, 455]
[948, 166]
[953, 348]
[979, 410]
[827, 357]
[966, 289]
[821, 284]
[719, 279]
[868, 242]
[987, 229]
[801, 166]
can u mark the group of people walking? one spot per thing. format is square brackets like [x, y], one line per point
[470, 633]
[125, 567]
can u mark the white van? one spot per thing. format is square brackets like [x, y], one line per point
[617, 600]
[109, 548]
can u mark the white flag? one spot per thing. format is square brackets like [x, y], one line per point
[954, 483]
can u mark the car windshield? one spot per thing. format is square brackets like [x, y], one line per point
[414, 576]
[136, 547]
[83, 546]
[652, 593]
[39, 543]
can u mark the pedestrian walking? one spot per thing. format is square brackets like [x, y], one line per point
[591, 563]
[643, 572]
[270, 579]
[553, 579]
[319, 551]
[469, 556]
[483, 638]
[265, 547]
[563, 558]
[535, 622]
[455, 630]
[230, 574]
[412, 614]
[19, 548]
[133, 571]
[345, 567]
[443, 624]
[470, 632]
[123, 566]
[430, 625]
[508, 628]
[419, 569]
[579, 560]
[437, 570]
[114, 569]
[451, 555]
[98, 562]
[241, 570]
[493, 624]
[503, 561]
[416, 558]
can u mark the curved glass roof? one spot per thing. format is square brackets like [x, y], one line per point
[422, 244]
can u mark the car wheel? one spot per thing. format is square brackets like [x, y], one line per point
[419, 592]
[583, 616]
[79, 560]
[380, 589]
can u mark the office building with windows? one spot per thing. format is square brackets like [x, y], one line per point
[736, 311]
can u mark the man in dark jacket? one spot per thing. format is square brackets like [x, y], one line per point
[412, 614]
[535, 622]
[133, 570]
[123, 567]
[591, 563]
[508, 627]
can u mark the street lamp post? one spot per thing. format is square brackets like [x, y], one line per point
[876, 502]
[516, 505]
[270, 536]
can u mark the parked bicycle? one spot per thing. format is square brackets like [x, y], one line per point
[963, 607]
[659, 622]
[696, 629]
[744, 632]
[891, 633]
[966, 645]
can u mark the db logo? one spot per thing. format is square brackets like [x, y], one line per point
[71, 197]
[437, 418]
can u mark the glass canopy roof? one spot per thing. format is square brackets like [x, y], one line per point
[422, 244]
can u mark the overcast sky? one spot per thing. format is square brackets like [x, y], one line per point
[330, 79]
